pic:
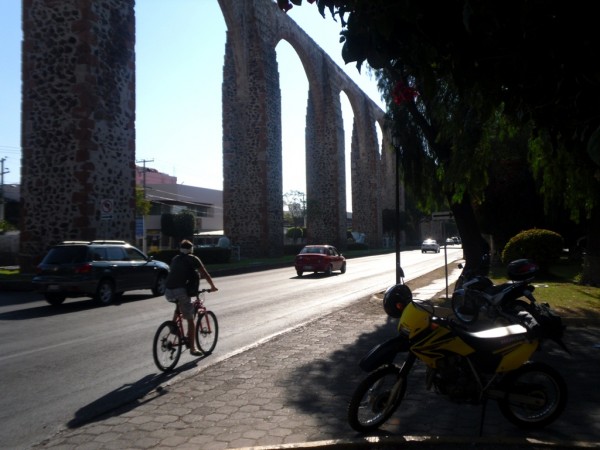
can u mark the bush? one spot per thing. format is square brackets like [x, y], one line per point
[542, 246]
[295, 233]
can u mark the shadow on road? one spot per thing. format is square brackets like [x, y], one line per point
[129, 396]
[69, 306]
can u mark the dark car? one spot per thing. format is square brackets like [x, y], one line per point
[97, 269]
[319, 258]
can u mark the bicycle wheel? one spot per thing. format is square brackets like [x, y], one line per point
[207, 332]
[166, 347]
[376, 398]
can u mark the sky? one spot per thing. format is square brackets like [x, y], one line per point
[180, 47]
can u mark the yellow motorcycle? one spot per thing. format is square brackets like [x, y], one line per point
[462, 365]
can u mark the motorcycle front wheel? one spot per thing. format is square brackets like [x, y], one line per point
[535, 396]
[376, 398]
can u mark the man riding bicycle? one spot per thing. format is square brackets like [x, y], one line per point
[183, 283]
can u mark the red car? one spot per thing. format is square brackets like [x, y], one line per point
[319, 258]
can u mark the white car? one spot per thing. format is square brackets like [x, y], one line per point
[430, 245]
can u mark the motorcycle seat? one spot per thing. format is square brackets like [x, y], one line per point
[494, 338]
[499, 332]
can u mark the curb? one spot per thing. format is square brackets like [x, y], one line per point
[428, 443]
[433, 443]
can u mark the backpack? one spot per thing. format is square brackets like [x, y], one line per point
[192, 286]
[186, 269]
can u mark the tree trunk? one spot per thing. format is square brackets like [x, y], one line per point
[474, 246]
[591, 259]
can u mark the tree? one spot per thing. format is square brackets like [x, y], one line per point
[296, 204]
[483, 57]
[142, 206]
[178, 226]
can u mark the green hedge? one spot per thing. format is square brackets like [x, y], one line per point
[542, 246]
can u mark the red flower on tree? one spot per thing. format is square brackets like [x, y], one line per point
[403, 93]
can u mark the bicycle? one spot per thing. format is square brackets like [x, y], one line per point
[170, 336]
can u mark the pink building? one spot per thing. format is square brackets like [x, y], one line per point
[153, 176]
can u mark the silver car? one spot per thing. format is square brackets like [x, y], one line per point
[430, 245]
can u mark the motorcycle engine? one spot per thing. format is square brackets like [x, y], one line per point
[454, 378]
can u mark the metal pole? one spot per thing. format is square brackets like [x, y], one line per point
[398, 267]
[144, 243]
[2, 172]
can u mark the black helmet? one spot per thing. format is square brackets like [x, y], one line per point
[395, 300]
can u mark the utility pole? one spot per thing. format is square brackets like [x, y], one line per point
[144, 243]
[2, 172]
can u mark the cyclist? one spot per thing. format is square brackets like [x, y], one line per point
[182, 283]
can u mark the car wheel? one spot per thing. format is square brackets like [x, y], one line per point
[328, 271]
[299, 272]
[105, 293]
[55, 299]
[343, 269]
[160, 285]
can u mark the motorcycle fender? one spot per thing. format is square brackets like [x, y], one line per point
[384, 353]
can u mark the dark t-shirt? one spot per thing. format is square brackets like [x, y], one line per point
[182, 267]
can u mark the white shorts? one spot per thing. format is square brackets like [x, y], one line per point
[183, 300]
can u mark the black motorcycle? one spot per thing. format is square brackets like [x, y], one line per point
[476, 294]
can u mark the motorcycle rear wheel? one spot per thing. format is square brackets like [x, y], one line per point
[376, 398]
[536, 396]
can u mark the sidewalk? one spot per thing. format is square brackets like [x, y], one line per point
[292, 392]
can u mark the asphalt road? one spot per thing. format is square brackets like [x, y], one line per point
[68, 364]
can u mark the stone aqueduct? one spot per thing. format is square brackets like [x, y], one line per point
[78, 130]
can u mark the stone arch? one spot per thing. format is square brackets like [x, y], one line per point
[257, 227]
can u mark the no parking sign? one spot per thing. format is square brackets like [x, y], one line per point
[106, 209]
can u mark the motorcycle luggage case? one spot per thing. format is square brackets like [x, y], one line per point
[522, 269]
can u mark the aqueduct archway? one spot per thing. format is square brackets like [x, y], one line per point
[78, 129]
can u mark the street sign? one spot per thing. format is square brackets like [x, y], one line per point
[444, 215]
[106, 209]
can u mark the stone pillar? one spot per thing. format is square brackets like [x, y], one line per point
[325, 170]
[78, 123]
[252, 158]
[366, 178]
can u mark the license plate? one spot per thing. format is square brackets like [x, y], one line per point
[53, 287]
[308, 267]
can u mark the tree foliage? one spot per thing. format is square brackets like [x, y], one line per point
[178, 226]
[142, 206]
[296, 204]
[535, 58]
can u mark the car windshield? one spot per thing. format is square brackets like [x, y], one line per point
[66, 255]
